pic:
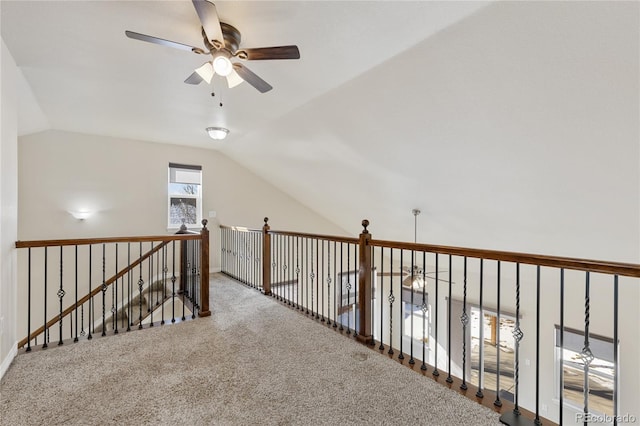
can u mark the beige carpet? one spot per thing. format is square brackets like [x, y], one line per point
[253, 362]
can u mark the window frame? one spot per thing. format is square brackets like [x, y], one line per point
[594, 340]
[506, 317]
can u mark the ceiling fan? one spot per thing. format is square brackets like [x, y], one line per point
[414, 276]
[222, 42]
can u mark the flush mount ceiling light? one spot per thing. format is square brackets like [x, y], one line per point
[217, 133]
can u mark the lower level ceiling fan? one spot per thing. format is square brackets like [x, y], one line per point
[222, 42]
[414, 276]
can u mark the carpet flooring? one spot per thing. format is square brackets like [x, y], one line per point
[254, 361]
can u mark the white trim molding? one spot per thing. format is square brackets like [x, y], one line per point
[8, 360]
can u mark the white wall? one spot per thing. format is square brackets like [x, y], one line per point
[125, 183]
[514, 129]
[8, 214]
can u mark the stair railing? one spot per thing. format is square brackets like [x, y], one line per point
[490, 324]
[144, 286]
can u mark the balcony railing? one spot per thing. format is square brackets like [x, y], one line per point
[74, 289]
[537, 338]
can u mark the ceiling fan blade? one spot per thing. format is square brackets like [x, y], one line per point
[251, 78]
[436, 272]
[162, 42]
[194, 78]
[440, 279]
[233, 79]
[418, 276]
[278, 52]
[208, 16]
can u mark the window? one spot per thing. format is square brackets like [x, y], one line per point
[184, 195]
[487, 343]
[600, 372]
[416, 319]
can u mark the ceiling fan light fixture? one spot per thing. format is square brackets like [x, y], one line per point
[222, 65]
[222, 41]
[234, 79]
[205, 72]
[217, 133]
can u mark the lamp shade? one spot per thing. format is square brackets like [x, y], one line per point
[206, 72]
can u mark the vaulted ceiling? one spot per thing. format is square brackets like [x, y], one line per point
[88, 77]
[511, 125]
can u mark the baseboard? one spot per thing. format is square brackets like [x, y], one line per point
[8, 360]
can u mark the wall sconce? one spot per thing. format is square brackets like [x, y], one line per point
[81, 214]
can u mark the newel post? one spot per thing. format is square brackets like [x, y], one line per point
[204, 270]
[182, 267]
[266, 258]
[364, 286]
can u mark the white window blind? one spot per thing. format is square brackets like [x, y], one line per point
[181, 174]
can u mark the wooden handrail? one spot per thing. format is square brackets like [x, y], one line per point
[338, 239]
[87, 241]
[294, 234]
[95, 291]
[617, 268]
[240, 228]
[606, 267]
[363, 314]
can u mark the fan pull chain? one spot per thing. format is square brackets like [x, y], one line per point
[213, 94]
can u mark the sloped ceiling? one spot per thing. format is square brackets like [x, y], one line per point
[514, 129]
[88, 77]
[512, 125]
